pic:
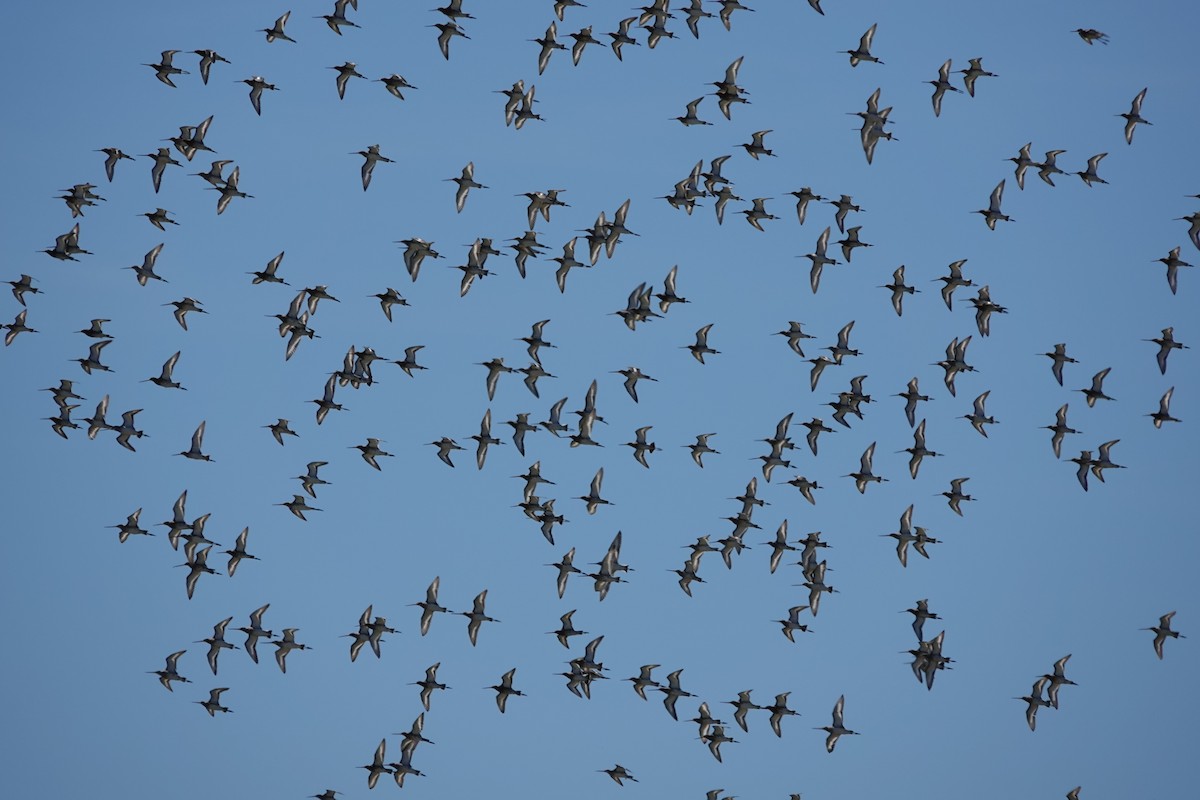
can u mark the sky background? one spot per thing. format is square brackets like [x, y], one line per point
[1035, 568]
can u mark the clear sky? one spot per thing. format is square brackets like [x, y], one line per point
[1034, 569]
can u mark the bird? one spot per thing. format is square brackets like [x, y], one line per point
[376, 767]
[758, 213]
[700, 447]
[917, 452]
[276, 30]
[164, 69]
[505, 689]
[792, 623]
[618, 773]
[864, 474]
[476, 617]
[1164, 409]
[1057, 680]
[1172, 262]
[863, 51]
[992, 214]
[837, 728]
[673, 691]
[1049, 166]
[779, 709]
[701, 348]
[592, 499]
[819, 260]
[689, 117]
[899, 288]
[429, 683]
[216, 643]
[430, 606]
[743, 705]
[549, 43]
[17, 326]
[912, 396]
[851, 242]
[978, 416]
[286, 645]
[207, 59]
[371, 157]
[145, 273]
[1034, 701]
[974, 73]
[920, 613]
[258, 84]
[1133, 117]
[371, 451]
[112, 156]
[943, 85]
[161, 159]
[213, 704]
[165, 379]
[1161, 631]
[1166, 343]
[1104, 460]
[298, 505]
[1089, 176]
[1060, 430]
[238, 553]
[159, 216]
[1096, 390]
[955, 496]
[1091, 35]
[755, 147]
[1059, 357]
[194, 452]
[171, 673]
[1023, 162]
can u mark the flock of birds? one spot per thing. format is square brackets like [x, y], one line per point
[644, 305]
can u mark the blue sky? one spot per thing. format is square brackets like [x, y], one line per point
[1035, 568]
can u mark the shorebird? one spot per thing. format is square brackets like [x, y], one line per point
[161, 159]
[286, 645]
[445, 447]
[955, 495]
[164, 69]
[371, 157]
[1057, 680]
[216, 643]
[851, 242]
[920, 614]
[819, 259]
[952, 281]
[943, 85]
[171, 673]
[257, 84]
[1049, 167]
[145, 273]
[159, 216]
[207, 59]
[430, 606]
[1104, 461]
[1059, 357]
[370, 451]
[197, 566]
[505, 689]
[898, 288]
[917, 452]
[376, 767]
[298, 505]
[978, 416]
[1034, 701]
[276, 31]
[1133, 117]
[673, 691]
[643, 680]
[583, 37]
[549, 43]
[337, 19]
[622, 37]
[1161, 631]
[1023, 162]
[758, 213]
[755, 148]
[566, 630]
[446, 32]
[256, 632]
[197, 442]
[689, 117]
[992, 214]
[715, 738]
[863, 51]
[912, 396]
[238, 553]
[429, 683]
[165, 380]
[838, 727]
[1096, 391]
[1060, 430]
[792, 623]
[17, 326]
[112, 156]
[130, 526]
[779, 709]
[1164, 409]
[618, 773]
[974, 73]
[744, 706]
[803, 198]
[476, 616]
[1091, 35]
[701, 348]
[1172, 262]
[1089, 176]
[1166, 343]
